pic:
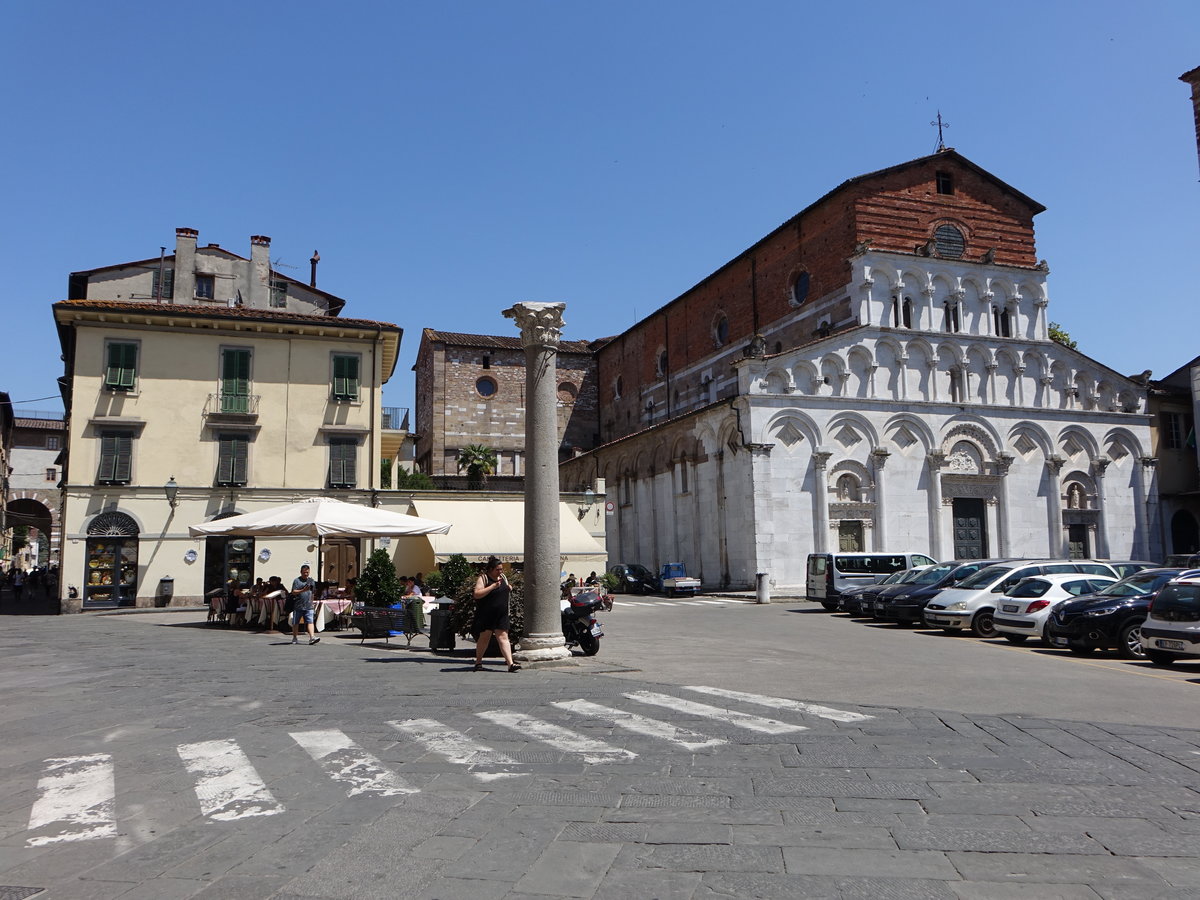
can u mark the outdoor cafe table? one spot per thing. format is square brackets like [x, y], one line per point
[324, 607]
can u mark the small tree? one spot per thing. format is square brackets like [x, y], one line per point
[480, 462]
[377, 584]
[413, 481]
[1059, 335]
[385, 474]
[463, 615]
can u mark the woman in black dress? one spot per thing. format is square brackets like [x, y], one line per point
[491, 613]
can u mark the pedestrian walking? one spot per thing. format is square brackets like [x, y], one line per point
[302, 591]
[492, 592]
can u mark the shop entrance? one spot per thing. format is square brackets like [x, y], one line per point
[111, 562]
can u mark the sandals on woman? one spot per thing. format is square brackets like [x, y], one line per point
[478, 667]
[515, 667]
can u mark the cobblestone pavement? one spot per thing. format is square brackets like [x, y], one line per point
[152, 756]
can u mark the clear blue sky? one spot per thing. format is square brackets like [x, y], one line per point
[450, 159]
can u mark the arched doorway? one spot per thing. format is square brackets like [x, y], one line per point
[32, 522]
[1185, 533]
[110, 577]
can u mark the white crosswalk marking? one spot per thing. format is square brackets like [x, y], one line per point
[712, 602]
[75, 802]
[556, 736]
[345, 761]
[227, 785]
[813, 709]
[689, 740]
[453, 746]
[741, 720]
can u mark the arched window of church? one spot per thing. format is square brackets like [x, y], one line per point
[1002, 319]
[949, 241]
[950, 320]
[908, 312]
[848, 490]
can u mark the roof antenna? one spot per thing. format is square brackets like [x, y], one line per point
[940, 125]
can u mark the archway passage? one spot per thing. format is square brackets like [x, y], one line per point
[34, 516]
[1185, 533]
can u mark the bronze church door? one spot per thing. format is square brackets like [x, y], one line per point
[970, 528]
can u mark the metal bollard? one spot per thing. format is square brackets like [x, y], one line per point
[762, 588]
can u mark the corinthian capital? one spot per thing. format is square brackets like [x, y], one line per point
[541, 324]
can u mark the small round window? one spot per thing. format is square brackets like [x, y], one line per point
[721, 330]
[662, 362]
[566, 392]
[800, 288]
[950, 241]
[617, 385]
[486, 387]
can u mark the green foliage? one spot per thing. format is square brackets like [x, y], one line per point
[385, 474]
[377, 584]
[433, 585]
[20, 537]
[1059, 335]
[480, 462]
[462, 617]
[610, 582]
[413, 481]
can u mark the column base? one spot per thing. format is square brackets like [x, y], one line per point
[537, 648]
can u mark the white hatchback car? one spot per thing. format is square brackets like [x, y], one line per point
[1022, 611]
[1172, 627]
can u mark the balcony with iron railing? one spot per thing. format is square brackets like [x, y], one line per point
[231, 408]
[395, 418]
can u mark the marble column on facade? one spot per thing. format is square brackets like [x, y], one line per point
[821, 500]
[1099, 466]
[934, 460]
[1003, 462]
[1041, 326]
[879, 457]
[1141, 543]
[1054, 516]
[1154, 544]
[541, 328]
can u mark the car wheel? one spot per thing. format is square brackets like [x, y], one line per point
[1159, 658]
[830, 606]
[1016, 638]
[1129, 641]
[982, 625]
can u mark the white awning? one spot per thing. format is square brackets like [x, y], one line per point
[484, 528]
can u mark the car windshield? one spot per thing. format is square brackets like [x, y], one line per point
[639, 571]
[1030, 587]
[907, 576]
[984, 577]
[1136, 585]
[932, 575]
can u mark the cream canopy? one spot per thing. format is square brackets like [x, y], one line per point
[320, 517]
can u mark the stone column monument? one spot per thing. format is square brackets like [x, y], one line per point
[541, 327]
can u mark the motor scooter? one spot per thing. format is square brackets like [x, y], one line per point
[579, 625]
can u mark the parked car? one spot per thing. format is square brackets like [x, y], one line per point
[1109, 618]
[1183, 561]
[1172, 627]
[634, 579]
[673, 580]
[1126, 567]
[829, 574]
[1025, 607]
[905, 604]
[860, 601]
[972, 603]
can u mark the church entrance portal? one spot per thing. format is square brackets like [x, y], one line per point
[970, 528]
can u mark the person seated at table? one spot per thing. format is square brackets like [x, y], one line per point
[592, 579]
[411, 588]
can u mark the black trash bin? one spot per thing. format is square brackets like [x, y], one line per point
[441, 632]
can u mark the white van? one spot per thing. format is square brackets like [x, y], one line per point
[829, 574]
[971, 604]
[1172, 627]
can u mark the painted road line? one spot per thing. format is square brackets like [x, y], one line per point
[714, 602]
[741, 720]
[812, 709]
[454, 746]
[345, 761]
[689, 740]
[75, 802]
[556, 736]
[227, 785]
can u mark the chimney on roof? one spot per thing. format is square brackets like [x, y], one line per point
[185, 264]
[259, 283]
[316, 258]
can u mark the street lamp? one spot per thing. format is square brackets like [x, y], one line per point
[171, 489]
[588, 501]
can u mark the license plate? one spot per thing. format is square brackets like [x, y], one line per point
[1010, 607]
[936, 620]
[1058, 642]
[597, 631]
[1169, 645]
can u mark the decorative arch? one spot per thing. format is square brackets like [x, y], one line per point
[856, 421]
[973, 429]
[113, 523]
[1028, 438]
[777, 381]
[789, 428]
[1080, 438]
[1084, 491]
[906, 430]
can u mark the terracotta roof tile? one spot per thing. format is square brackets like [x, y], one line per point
[498, 342]
[181, 310]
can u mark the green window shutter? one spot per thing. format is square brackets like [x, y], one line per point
[122, 366]
[116, 457]
[232, 454]
[235, 381]
[342, 459]
[345, 377]
[168, 284]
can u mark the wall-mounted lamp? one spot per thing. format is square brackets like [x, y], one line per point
[588, 501]
[171, 489]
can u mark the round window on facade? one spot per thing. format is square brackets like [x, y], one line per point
[662, 362]
[486, 387]
[566, 392]
[950, 241]
[721, 330]
[800, 288]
